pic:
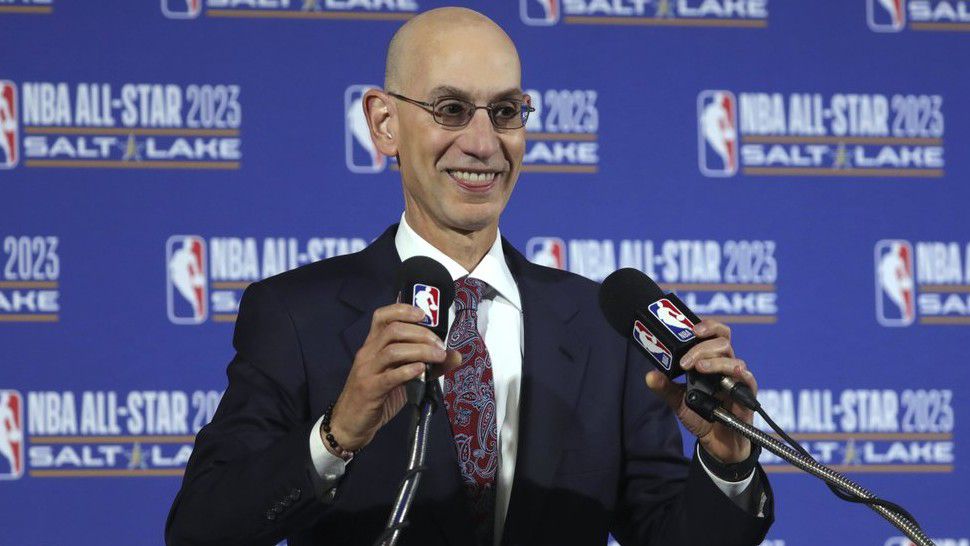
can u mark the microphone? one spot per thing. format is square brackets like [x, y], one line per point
[663, 328]
[427, 285]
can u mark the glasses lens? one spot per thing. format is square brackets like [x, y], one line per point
[453, 112]
[508, 114]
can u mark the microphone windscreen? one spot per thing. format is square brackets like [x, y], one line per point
[430, 281]
[425, 270]
[623, 293]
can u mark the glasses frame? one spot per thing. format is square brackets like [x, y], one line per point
[430, 108]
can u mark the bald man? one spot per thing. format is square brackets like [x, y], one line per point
[547, 434]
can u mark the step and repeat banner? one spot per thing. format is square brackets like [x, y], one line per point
[798, 170]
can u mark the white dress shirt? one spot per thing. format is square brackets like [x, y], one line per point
[500, 323]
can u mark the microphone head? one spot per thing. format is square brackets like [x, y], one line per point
[426, 284]
[623, 293]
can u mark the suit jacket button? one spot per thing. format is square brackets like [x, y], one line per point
[270, 515]
[295, 494]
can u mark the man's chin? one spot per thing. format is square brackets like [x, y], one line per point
[475, 217]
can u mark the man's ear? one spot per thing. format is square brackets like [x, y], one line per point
[382, 121]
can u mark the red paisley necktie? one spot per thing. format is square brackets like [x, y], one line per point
[470, 400]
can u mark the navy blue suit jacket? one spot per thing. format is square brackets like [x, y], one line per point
[597, 452]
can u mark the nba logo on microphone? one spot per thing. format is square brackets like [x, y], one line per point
[539, 13]
[895, 284]
[181, 9]
[886, 15]
[717, 133]
[361, 154]
[427, 298]
[547, 251]
[9, 141]
[673, 319]
[11, 435]
[652, 345]
[188, 289]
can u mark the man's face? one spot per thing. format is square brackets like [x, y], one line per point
[459, 178]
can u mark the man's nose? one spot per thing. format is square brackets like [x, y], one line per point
[479, 138]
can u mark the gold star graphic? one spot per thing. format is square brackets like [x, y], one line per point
[664, 9]
[136, 457]
[851, 454]
[842, 159]
[132, 149]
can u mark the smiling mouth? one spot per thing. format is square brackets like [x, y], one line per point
[476, 181]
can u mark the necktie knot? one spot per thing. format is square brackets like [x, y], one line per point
[469, 293]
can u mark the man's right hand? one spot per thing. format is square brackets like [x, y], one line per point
[395, 352]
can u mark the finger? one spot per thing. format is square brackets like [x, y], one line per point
[452, 361]
[395, 377]
[733, 367]
[712, 348]
[671, 392]
[749, 380]
[395, 312]
[740, 373]
[396, 354]
[406, 332]
[710, 327]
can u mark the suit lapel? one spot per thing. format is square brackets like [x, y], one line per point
[365, 291]
[554, 362]
[370, 287]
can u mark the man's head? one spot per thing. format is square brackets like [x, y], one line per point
[456, 179]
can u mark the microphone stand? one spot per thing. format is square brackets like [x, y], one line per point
[708, 407]
[429, 395]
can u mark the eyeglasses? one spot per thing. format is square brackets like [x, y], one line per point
[455, 112]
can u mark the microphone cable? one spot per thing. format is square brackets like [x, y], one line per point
[844, 495]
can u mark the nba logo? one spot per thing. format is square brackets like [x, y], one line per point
[673, 319]
[187, 284]
[427, 298]
[895, 287]
[886, 15]
[181, 9]
[717, 133]
[652, 345]
[11, 435]
[539, 13]
[547, 251]
[362, 156]
[9, 143]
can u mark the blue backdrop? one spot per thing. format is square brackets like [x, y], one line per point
[795, 169]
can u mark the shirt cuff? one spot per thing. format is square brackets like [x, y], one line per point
[740, 493]
[731, 489]
[328, 466]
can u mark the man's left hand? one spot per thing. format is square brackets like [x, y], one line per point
[715, 355]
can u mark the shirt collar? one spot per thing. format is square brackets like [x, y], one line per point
[492, 269]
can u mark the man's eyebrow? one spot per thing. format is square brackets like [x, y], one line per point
[448, 91]
[451, 91]
[512, 92]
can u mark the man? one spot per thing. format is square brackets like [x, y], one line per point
[547, 435]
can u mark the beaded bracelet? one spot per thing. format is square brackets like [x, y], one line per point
[337, 450]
